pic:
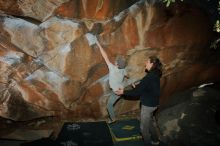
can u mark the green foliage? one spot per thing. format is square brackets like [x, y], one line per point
[168, 2]
[219, 6]
[217, 26]
[217, 29]
[215, 43]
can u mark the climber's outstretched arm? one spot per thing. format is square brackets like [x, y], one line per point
[104, 55]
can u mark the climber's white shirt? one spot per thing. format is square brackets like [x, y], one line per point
[116, 77]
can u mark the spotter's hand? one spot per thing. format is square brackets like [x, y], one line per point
[119, 91]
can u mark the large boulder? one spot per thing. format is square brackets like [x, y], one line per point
[51, 69]
[41, 10]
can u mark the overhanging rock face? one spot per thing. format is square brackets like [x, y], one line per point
[50, 69]
[42, 10]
